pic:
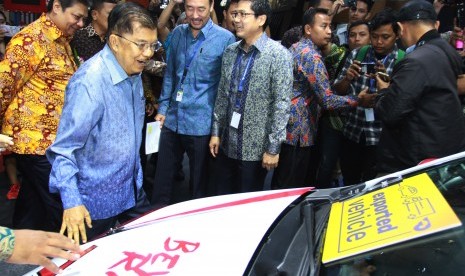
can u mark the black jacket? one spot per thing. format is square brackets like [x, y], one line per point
[420, 110]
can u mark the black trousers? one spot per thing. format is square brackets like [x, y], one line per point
[36, 208]
[292, 171]
[237, 176]
[171, 150]
[358, 162]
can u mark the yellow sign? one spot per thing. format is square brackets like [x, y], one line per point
[398, 213]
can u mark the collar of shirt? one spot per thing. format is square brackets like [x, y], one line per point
[204, 31]
[260, 44]
[429, 35]
[309, 43]
[117, 72]
[51, 30]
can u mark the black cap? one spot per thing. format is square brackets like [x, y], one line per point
[417, 10]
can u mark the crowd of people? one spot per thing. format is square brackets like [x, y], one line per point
[371, 96]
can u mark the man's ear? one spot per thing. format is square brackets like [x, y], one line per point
[307, 30]
[93, 13]
[113, 42]
[56, 8]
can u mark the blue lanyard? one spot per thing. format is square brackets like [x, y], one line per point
[191, 57]
[240, 88]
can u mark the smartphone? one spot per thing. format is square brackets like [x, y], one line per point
[385, 77]
[368, 67]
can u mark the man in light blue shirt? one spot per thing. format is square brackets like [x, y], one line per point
[95, 158]
[186, 102]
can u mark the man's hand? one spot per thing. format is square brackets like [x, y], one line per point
[73, 223]
[354, 71]
[380, 84]
[35, 247]
[161, 119]
[366, 99]
[5, 142]
[214, 145]
[270, 161]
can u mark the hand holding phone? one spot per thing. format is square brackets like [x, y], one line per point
[383, 76]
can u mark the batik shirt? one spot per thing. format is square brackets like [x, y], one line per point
[95, 158]
[33, 76]
[193, 114]
[263, 104]
[356, 123]
[311, 89]
[86, 43]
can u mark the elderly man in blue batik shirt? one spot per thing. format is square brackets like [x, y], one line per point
[95, 158]
[187, 99]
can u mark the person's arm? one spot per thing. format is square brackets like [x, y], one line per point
[397, 101]
[214, 17]
[169, 79]
[461, 84]
[162, 25]
[314, 69]
[281, 91]
[349, 72]
[73, 131]
[19, 65]
[220, 111]
[36, 247]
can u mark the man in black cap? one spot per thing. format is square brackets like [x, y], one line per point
[419, 108]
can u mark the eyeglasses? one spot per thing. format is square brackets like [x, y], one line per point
[143, 46]
[241, 15]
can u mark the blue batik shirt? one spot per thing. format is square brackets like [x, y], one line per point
[95, 157]
[193, 115]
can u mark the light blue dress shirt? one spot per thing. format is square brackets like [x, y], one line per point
[193, 115]
[95, 157]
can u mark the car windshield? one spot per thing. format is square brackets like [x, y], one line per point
[438, 254]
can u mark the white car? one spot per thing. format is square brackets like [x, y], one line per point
[405, 223]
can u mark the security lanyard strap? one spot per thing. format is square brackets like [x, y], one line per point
[240, 88]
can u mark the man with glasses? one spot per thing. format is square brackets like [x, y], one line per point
[252, 106]
[360, 10]
[186, 102]
[95, 158]
[37, 66]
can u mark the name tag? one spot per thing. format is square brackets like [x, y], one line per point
[236, 118]
[179, 95]
[369, 114]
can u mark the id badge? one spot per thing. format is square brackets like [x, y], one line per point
[179, 95]
[369, 114]
[236, 118]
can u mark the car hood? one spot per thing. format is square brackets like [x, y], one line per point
[209, 236]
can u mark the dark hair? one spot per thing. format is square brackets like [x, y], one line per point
[357, 23]
[291, 36]
[4, 16]
[66, 4]
[368, 2]
[98, 4]
[123, 16]
[309, 16]
[384, 17]
[259, 7]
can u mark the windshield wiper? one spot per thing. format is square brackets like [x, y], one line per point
[308, 214]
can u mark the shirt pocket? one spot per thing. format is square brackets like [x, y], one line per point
[208, 68]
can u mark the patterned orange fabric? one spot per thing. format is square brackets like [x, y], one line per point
[37, 66]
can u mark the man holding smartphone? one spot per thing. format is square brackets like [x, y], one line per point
[420, 109]
[362, 129]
